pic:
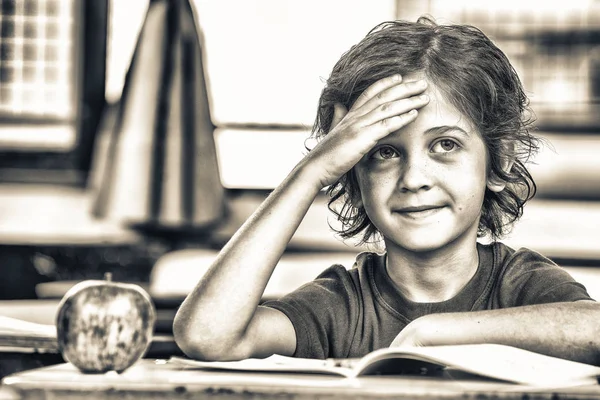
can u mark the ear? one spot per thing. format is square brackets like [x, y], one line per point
[494, 183]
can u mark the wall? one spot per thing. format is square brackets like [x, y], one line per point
[266, 60]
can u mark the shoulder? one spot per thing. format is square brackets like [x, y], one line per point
[337, 280]
[522, 257]
[326, 311]
[526, 277]
[353, 275]
[524, 261]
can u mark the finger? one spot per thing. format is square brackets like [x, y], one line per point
[398, 92]
[385, 126]
[396, 107]
[339, 112]
[376, 88]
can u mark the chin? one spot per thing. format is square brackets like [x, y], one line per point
[427, 245]
[424, 247]
[427, 242]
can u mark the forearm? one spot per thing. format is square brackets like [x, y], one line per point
[223, 303]
[565, 330]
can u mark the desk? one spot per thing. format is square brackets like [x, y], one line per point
[161, 380]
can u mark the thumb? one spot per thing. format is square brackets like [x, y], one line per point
[339, 112]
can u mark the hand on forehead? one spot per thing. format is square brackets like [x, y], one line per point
[439, 111]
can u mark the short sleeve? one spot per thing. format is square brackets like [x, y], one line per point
[323, 313]
[530, 278]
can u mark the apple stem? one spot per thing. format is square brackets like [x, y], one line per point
[108, 276]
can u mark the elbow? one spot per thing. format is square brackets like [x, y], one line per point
[203, 343]
[192, 348]
[192, 342]
[184, 337]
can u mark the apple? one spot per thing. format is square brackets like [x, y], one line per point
[103, 325]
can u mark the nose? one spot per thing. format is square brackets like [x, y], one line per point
[415, 175]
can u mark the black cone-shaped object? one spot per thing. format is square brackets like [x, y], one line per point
[158, 169]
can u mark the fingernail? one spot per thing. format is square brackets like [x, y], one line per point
[424, 97]
[397, 78]
[412, 112]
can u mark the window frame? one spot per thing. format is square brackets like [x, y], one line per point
[66, 162]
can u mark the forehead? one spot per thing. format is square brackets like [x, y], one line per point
[439, 111]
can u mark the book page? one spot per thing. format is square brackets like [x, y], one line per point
[24, 335]
[10, 326]
[274, 363]
[495, 361]
[499, 362]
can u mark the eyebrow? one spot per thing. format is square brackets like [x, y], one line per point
[439, 130]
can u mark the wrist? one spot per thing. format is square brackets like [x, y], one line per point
[306, 173]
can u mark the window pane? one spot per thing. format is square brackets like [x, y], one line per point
[37, 51]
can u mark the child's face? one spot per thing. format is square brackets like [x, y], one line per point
[423, 186]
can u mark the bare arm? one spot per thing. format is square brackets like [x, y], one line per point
[565, 330]
[224, 303]
[221, 318]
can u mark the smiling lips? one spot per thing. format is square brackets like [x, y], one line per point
[419, 211]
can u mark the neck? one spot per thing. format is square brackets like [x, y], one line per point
[432, 276]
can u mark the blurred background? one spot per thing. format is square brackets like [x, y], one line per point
[137, 136]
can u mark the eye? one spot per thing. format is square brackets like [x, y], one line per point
[385, 153]
[444, 146]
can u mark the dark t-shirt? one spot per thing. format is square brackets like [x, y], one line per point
[348, 313]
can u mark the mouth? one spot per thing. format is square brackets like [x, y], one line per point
[419, 211]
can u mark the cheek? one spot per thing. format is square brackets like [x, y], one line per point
[376, 183]
[375, 189]
[468, 177]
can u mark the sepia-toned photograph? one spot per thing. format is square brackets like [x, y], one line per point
[341, 199]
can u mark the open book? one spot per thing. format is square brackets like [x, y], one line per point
[494, 361]
[23, 335]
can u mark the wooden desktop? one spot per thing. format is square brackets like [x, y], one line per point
[160, 379]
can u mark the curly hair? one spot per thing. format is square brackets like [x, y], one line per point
[474, 75]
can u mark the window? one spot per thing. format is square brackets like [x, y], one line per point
[52, 72]
[555, 48]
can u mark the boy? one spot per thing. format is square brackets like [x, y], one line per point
[423, 136]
